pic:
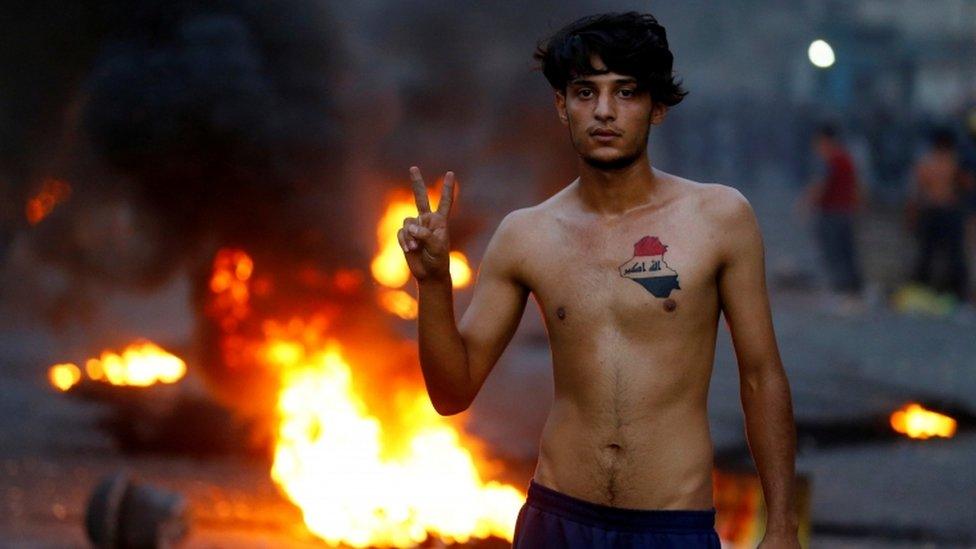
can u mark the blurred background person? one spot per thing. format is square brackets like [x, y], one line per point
[967, 157]
[834, 197]
[936, 213]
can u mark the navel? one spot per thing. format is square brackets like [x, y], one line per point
[670, 305]
[561, 313]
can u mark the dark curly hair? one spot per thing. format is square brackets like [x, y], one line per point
[629, 43]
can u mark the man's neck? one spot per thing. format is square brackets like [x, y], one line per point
[615, 192]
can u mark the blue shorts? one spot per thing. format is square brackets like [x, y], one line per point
[551, 519]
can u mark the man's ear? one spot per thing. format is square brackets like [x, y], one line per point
[658, 111]
[561, 108]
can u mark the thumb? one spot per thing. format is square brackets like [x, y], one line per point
[419, 232]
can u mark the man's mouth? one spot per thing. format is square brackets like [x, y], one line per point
[604, 135]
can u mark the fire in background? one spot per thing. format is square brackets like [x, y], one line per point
[914, 421]
[362, 473]
[142, 363]
[52, 192]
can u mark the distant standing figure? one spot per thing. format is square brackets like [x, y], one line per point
[937, 213]
[835, 197]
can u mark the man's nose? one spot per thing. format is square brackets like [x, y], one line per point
[604, 108]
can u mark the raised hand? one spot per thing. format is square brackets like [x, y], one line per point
[424, 238]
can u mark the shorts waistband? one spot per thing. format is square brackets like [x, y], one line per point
[604, 516]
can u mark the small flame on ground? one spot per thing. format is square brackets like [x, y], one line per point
[64, 376]
[53, 192]
[142, 363]
[916, 422]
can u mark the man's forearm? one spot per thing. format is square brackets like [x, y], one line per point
[443, 358]
[771, 434]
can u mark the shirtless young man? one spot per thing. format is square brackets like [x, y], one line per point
[937, 210]
[630, 267]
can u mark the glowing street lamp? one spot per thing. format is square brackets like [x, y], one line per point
[821, 54]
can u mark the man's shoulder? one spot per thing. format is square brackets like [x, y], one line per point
[733, 220]
[514, 241]
[527, 220]
[730, 218]
[518, 229]
[521, 220]
[714, 200]
[722, 204]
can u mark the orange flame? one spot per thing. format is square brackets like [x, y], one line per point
[142, 363]
[331, 460]
[229, 284]
[399, 303]
[916, 422]
[460, 270]
[64, 376]
[53, 192]
[357, 481]
[390, 269]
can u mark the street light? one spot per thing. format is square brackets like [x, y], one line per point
[821, 54]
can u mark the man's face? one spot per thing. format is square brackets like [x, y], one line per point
[608, 118]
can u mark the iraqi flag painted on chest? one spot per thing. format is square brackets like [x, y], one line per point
[649, 269]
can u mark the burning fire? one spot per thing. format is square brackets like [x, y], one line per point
[390, 269]
[917, 422]
[353, 488]
[64, 376]
[230, 286]
[359, 480]
[52, 193]
[399, 303]
[142, 363]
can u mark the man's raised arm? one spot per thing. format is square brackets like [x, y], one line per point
[763, 386]
[456, 360]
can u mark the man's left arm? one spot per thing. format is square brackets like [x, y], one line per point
[764, 388]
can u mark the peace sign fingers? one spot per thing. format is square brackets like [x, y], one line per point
[420, 192]
[424, 238]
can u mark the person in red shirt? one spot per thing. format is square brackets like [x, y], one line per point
[835, 197]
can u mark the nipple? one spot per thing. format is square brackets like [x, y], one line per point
[670, 305]
[561, 313]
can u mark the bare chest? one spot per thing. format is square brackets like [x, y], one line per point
[636, 278]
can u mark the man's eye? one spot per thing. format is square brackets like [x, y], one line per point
[627, 92]
[585, 93]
